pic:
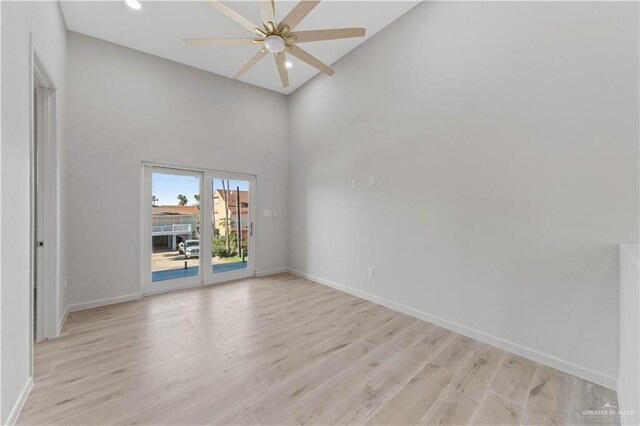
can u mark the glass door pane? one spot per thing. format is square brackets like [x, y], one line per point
[189, 240]
[232, 225]
[175, 226]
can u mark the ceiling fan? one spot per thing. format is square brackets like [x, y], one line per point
[278, 37]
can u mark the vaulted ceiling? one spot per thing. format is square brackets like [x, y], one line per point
[159, 26]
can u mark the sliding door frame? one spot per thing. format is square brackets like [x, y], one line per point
[205, 273]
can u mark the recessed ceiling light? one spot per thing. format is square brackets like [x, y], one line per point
[288, 64]
[133, 4]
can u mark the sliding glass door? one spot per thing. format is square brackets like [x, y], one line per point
[190, 239]
[232, 224]
[173, 228]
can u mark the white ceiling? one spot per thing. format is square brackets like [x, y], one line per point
[159, 26]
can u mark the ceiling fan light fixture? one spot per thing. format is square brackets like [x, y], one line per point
[133, 4]
[274, 43]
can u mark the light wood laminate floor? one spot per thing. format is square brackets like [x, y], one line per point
[283, 350]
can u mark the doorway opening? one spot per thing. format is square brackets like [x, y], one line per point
[38, 225]
[43, 206]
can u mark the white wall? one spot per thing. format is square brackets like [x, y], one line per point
[503, 138]
[44, 21]
[1, 179]
[125, 107]
[629, 382]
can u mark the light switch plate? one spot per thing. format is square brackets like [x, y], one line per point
[370, 271]
[372, 181]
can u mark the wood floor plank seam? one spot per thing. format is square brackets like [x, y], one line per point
[485, 394]
[450, 384]
[448, 387]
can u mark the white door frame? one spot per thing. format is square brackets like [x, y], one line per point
[205, 274]
[48, 254]
[38, 197]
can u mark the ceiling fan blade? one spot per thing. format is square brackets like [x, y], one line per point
[251, 62]
[298, 13]
[219, 41]
[267, 11]
[333, 34]
[305, 56]
[230, 13]
[282, 68]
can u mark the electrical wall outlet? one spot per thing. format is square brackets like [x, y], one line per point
[354, 183]
[370, 271]
[267, 213]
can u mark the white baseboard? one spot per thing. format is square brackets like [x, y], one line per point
[17, 407]
[62, 320]
[135, 296]
[103, 302]
[271, 272]
[533, 354]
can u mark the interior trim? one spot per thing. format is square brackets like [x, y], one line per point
[22, 399]
[271, 272]
[623, 406]
[533, 354]
[61, 321]
[103, 302]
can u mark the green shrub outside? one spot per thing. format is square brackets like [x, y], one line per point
[219, 246]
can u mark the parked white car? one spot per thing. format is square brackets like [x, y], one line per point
[192, 251]
[187, 243]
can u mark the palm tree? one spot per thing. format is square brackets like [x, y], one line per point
[182, 200]
[154, 200]
[225, 190]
